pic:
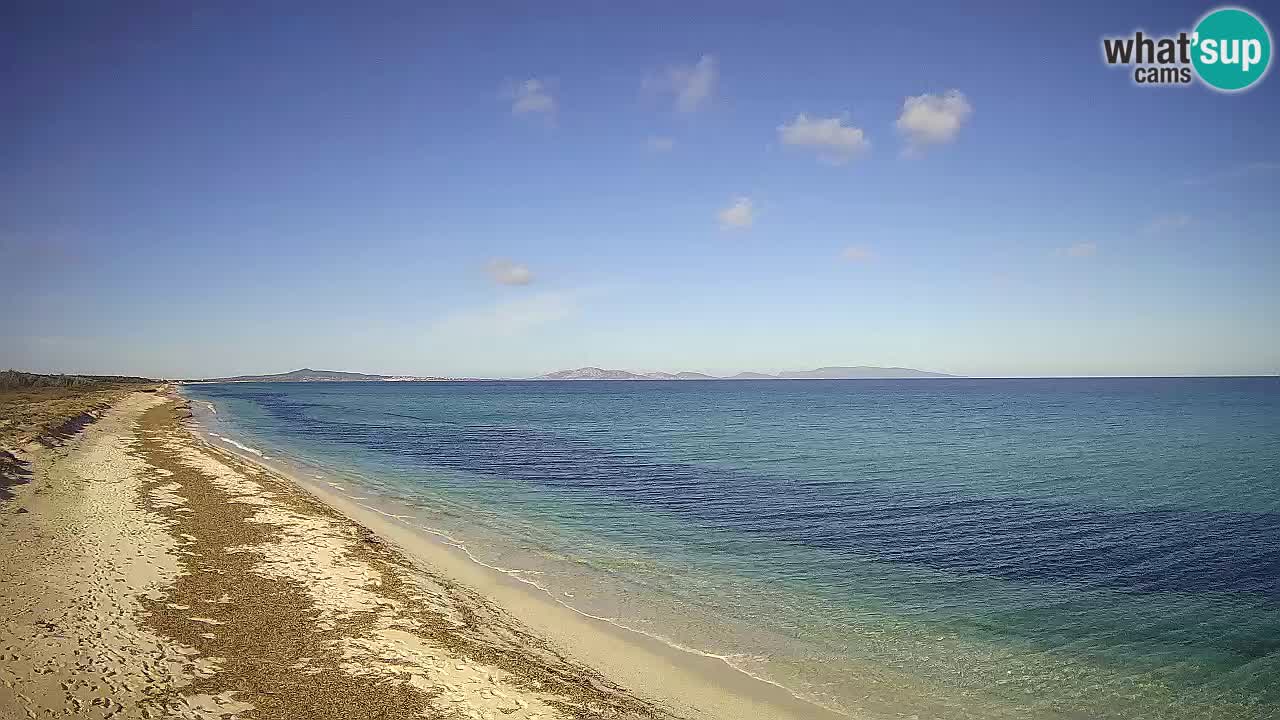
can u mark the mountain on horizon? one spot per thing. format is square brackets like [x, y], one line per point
[865, 372]
[859, 372]
[309, 375]
[595, 373]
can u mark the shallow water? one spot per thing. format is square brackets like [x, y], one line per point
[951, 548]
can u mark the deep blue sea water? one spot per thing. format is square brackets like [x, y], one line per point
[1072, 548]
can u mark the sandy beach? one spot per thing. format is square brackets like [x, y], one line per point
[152, 574]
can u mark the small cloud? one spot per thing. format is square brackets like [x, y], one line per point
[1164, 224]
[933, 119]
[1080, 250]
[857, 253]
[692, 86]
[531, 96]
[836, 142]
[738, 216]
[506, 272]
[661, 144]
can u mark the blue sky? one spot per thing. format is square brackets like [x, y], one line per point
[716, 187]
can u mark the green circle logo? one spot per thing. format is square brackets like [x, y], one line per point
[1231, 49]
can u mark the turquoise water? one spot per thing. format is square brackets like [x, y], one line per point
[948, 548]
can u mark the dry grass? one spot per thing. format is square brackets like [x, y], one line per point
[49, 408]
[18, 380]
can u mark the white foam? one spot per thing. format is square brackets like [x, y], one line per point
[233, 443]
[518, 575]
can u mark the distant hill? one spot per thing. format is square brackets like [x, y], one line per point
[593, 373]
[309, 375]
[859, 372]
[828, 373]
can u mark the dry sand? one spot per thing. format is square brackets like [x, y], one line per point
[150, 574]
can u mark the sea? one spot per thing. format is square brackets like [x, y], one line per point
[942, 548]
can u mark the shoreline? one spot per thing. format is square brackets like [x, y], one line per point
[153, 573]
[600, 642]
[757, 694]
[158, 566]
[152, 576]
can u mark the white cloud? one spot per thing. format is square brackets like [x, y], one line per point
[857, 253]
[738, 216]
[506, 272]
[661, 144]
[1080, 250]
[532, 96]
[692, 86]
[836, 142]
[509, 317]
[933, 119]
[1164, 224]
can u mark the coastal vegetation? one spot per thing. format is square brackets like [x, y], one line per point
[36, 407]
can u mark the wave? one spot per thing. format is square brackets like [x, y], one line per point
[241, 446]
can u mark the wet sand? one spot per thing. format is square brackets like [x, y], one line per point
[155, 575]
